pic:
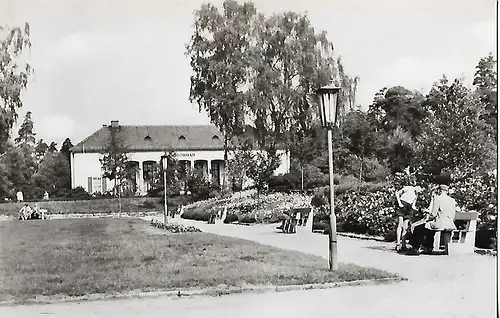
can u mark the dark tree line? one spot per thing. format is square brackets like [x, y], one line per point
[33, 166]
[452, 129]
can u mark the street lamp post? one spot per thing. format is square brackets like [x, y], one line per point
[164, 166]
[328, 109]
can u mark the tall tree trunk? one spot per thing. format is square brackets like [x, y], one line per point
[360, 169]
[302, 177]
[119, 203]
[117, 191]
[226, 170]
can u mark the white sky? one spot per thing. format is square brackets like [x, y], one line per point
[100, 60]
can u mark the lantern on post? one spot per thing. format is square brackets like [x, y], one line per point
[164, 161]
[329, 113]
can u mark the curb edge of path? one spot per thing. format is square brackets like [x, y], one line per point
[213, 292]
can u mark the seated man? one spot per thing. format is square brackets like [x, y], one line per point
[441, 218]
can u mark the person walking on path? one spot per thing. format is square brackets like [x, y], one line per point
[407, 199]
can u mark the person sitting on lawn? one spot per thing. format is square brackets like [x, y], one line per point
[25, 212]
[407, 199]
[35, 214]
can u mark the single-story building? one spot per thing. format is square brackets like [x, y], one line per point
[195, 147]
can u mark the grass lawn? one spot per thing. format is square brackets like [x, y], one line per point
[83, 256]
[88, 206]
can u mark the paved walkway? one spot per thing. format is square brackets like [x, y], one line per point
[438, 286]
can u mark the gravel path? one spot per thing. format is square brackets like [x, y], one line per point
[438, 286]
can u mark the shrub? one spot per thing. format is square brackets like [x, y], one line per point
[148, 204]
[226, 193]
[178, 200]
[248, 219]
[314, 177]
[77, 193]
[197, 184]
[196, 215]
[213, 194]
[284, 183]
[318, 200]
[231, 218]
[320, 226]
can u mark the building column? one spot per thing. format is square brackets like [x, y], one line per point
[222, 171]
[206, 170]
[209, 170]
[72, 164]
[140, 181]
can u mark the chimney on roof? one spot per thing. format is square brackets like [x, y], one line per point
[114, 123]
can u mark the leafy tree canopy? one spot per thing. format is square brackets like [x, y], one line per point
[13, 77]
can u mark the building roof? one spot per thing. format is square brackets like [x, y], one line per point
[154, 138]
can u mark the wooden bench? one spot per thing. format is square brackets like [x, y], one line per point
[211, 218]
[291, 224]
[463, 239]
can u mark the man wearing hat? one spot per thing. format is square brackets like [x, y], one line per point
[441, 217]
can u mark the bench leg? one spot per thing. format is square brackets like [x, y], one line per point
[437, 241]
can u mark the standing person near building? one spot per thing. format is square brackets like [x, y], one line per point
[19, 196]
[407, 199]
[45, 196]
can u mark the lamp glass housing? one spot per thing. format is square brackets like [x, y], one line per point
[328, 105]
[164, 162]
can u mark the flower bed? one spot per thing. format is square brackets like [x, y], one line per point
[360, 212]
[263, 208]
[372, 210]
[174, 228]
[367, 208]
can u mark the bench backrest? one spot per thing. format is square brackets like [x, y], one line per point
[302, 211]
[466, 216]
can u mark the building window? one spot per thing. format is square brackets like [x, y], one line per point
[149, 168]
[147, 138]
[215, 169]
[182, 137]
[96, 185]
[215, 138]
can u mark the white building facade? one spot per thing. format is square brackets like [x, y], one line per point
[195, 147]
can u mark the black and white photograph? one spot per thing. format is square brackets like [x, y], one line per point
[249, 158]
